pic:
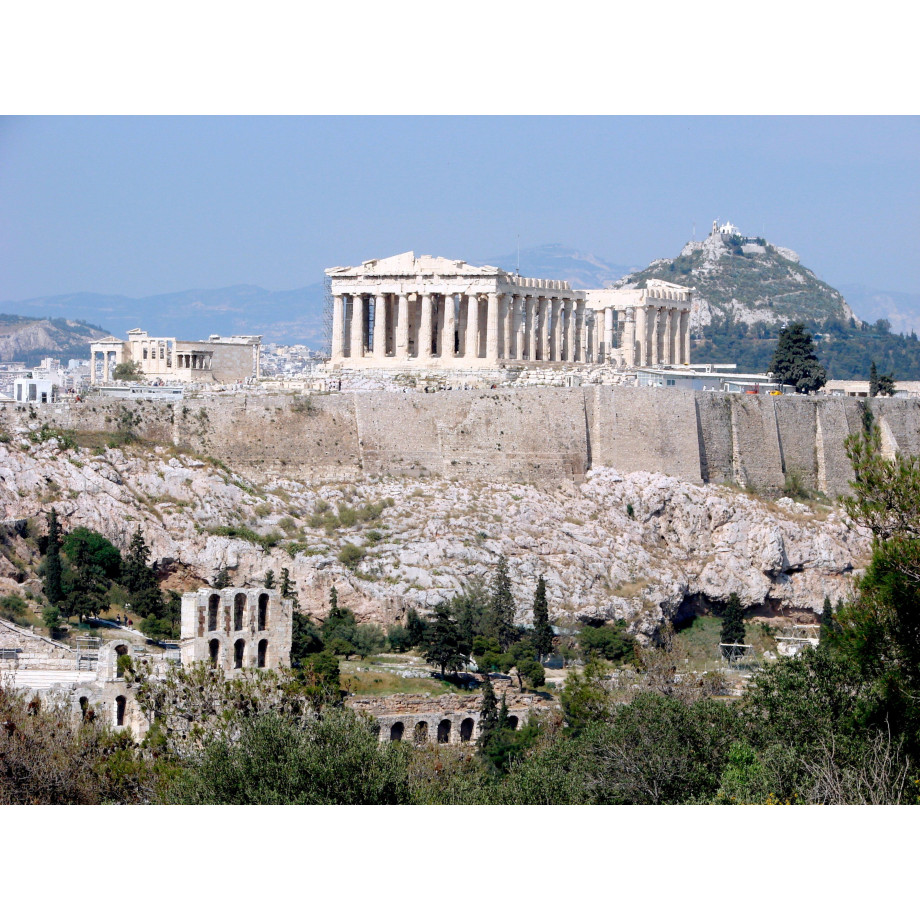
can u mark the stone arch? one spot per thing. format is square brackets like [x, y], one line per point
[214, 652]
[213, 608]
[121, 704]
[263, 611]
[239, 649]
[396, 731]
[466, 729]
[262, 653]
[444, 727]
[420, 732]
[513, 723]
[239, 608]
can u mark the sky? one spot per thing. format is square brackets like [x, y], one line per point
[141, 205]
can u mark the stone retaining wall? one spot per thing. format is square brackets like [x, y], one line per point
[517, 434]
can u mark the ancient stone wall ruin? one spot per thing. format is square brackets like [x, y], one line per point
[523, 434]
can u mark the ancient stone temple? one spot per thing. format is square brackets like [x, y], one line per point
[408, 311]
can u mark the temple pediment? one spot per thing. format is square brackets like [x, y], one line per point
[407, 263]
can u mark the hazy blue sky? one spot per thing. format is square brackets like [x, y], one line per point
[143, 205]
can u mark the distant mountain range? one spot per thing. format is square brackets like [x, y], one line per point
[296, 316]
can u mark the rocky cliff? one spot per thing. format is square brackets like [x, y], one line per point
[636, 546]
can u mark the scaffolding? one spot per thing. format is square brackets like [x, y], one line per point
[88, 652]
[800, 636]
[738, 656]
[327, 315]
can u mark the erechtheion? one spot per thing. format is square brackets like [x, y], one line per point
[425, 311]
[220, 359]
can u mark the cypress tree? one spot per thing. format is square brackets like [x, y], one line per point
[542, 631]
[501, 607]
[829, 626]
[873, 380]
[222, 579]
[732, 625]
[270, 579]
[488, 714]
[54, 590]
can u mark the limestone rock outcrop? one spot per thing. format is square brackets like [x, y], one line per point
[634, 546]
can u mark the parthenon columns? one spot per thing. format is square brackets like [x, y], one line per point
[357, 326]
[338, 326]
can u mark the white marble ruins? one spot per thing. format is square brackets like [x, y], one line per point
[425, 311]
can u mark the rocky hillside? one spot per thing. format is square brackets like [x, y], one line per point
[24, 338]
[640, 547]
[748, 280]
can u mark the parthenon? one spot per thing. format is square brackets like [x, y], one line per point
[425, 311]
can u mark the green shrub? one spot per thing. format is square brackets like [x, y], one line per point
[350, 555]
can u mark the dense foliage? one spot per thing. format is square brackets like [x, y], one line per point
[846, 350]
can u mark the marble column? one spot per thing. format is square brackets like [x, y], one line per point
[578, 337]
[543, 349]
[684, 336]
[357, 326]
[449, 329]
[402, 328]
[609, 320]
[492, 329]
[516, 346]
[472, 327]
[531, 310]
[380, 326]
[506, 317]
[556, 332]
[338, 327]
[565, 316]
[629, 337]
[424, 331]
[673, 341]
[600, 338]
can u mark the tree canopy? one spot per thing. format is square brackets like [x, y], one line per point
[795, 363]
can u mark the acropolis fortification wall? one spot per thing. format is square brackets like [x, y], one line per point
[525, 434]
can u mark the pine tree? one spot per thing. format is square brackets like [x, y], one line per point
[269, 579]
[732, 626]
[542, 631]
[795, 363]
[501, 608]
[873, 380]
[54, 589]
[488, 714]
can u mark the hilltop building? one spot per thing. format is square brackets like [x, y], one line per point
[220, 359]
[411, 311]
